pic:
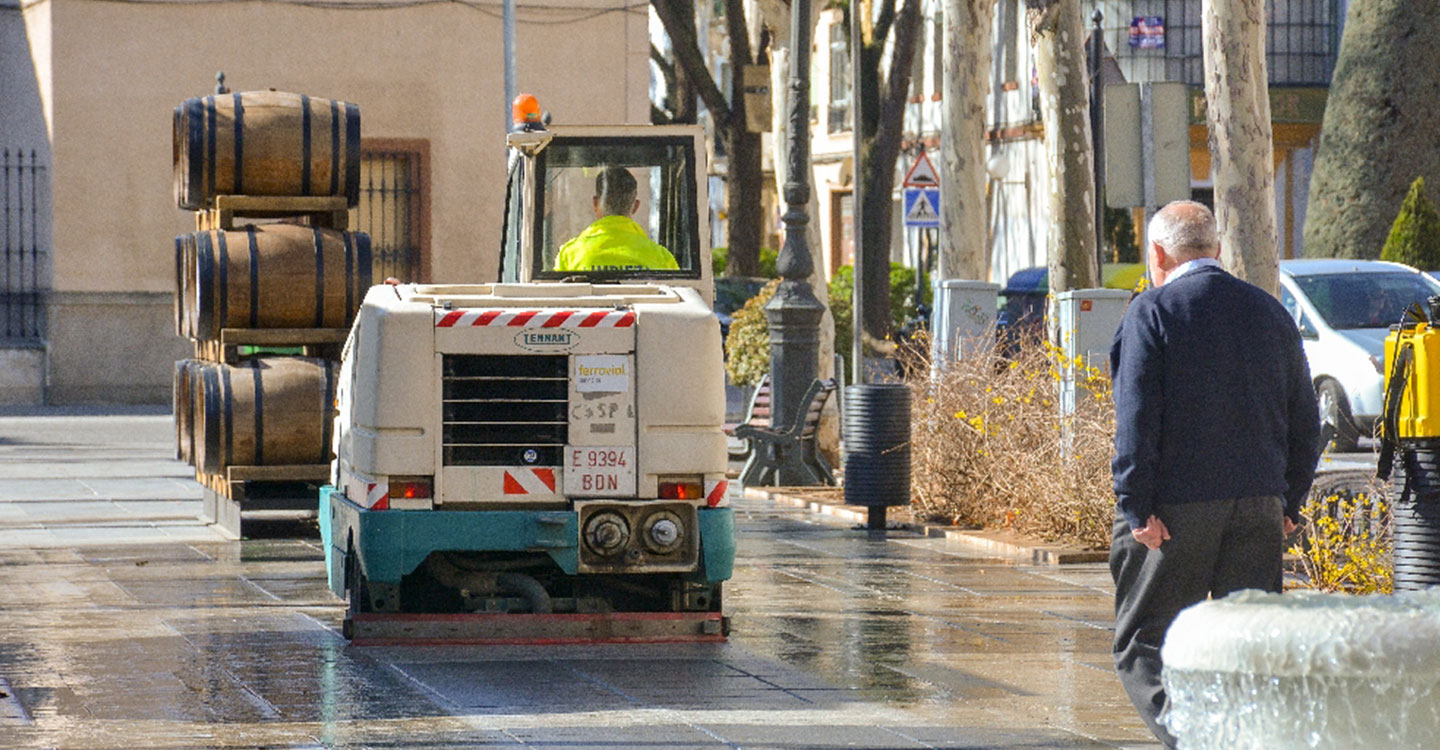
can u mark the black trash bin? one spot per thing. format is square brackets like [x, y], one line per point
[877, 448]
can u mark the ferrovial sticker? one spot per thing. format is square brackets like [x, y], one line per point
[602, 373]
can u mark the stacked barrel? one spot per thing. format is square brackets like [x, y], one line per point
[266, 288]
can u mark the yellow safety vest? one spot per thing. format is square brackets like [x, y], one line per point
[613, 243]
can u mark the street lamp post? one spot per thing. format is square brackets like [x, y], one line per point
[1097, 134]
[508, 49]
[794, 312]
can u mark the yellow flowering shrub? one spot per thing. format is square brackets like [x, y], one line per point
[987, 445]
[1345, 543]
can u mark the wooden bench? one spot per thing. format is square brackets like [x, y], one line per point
[792, 449]
[757, 414]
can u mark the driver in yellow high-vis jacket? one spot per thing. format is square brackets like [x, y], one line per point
[614, 242]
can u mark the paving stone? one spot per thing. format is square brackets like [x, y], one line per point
[128, 624]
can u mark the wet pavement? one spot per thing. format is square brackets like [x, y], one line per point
[126, 623]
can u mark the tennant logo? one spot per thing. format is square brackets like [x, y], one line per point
[547, 340]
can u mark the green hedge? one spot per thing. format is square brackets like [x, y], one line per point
[1415, 236]
[747, 349]
[720, 256]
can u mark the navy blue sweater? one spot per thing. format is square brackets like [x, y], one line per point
[1212, 398]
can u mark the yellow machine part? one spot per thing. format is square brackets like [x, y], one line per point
[1420, 400]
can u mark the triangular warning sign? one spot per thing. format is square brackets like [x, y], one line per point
[921, 210]
[922, 173]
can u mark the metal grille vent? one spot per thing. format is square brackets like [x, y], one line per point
[505, 410]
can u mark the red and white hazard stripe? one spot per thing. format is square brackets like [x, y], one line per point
[377, 496]
[529, 481]
[534, 318]
[715, 490]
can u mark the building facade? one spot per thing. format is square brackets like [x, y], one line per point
[88, 89]
[1145, 40]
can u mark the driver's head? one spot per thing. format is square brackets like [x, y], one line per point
[615, 192]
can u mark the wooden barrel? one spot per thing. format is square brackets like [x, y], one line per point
[183, 407]
[179, 286]
[277, 276]
[185, 285]
[265, 143]
[267, 411]
[187, 302]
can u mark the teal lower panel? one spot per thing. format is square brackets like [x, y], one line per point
[334, 558]
[392, 543]
[717, 543]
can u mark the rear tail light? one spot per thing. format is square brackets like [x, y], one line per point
[410, 488]
[682, 490]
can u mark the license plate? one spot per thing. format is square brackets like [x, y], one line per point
[600, 471]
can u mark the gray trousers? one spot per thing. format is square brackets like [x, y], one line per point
[1215, 547]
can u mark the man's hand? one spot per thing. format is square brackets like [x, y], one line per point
[1288, 525]
[1153, 533]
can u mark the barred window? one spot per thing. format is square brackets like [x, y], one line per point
[394, 207]
[24, 246]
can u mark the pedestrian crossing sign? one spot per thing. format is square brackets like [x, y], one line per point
[922, 207]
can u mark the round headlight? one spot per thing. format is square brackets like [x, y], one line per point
[663, 532]
[607, 533]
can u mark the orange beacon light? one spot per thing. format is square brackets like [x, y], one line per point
[526, 112]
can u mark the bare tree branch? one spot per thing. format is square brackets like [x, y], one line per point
[892, 96]
[883, 23]
[667, 69]
[1043, 17]
[689, 56]
[665, 114]
[886, 84]
[739, 33]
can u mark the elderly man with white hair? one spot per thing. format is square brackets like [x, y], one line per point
[1216, 442]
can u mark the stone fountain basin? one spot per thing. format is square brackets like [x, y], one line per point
[1305, 670]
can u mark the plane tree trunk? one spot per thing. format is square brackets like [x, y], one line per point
[1057, 29]
[964, 253]
[1241, 153]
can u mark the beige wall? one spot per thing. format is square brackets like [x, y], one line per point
[432, 71]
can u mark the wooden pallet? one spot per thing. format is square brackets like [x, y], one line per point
[239, 495]
[318, 342]
[230, 482]
[330, 212]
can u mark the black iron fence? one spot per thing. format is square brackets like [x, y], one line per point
[24, 240]
[391, 212]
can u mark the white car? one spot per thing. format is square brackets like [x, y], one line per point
[1344, 309]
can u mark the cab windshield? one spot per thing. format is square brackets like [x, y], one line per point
[617, 209]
